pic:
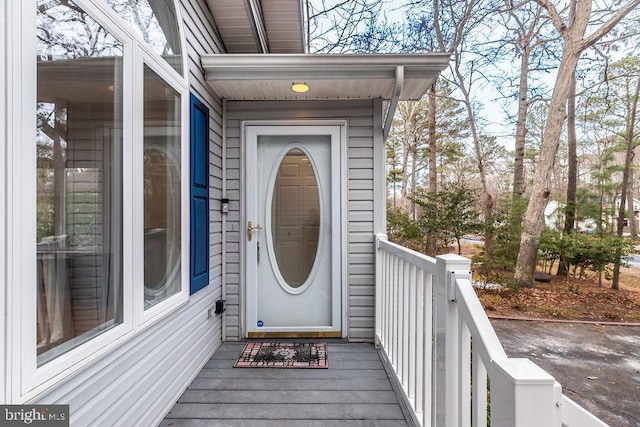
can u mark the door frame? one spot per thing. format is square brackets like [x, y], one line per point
[339, 203]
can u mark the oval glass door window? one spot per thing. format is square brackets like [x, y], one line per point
[295, 218]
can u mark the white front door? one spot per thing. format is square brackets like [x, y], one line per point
[292, 231]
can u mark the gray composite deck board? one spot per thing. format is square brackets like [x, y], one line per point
[353, 392]
[242, 422]
[291, 396]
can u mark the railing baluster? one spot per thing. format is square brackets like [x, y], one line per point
[411, 335]
[392, 312]
[399, 316]
[464, 373]
[420, 350]
[400, 320]
[479, 390]
[428, 350]
[379, 284]
[404, 350]
[387, 297]
[387, 300]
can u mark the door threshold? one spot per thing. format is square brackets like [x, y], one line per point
[330, 334]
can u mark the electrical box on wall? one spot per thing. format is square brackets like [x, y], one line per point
[220, 306]
[224, 205]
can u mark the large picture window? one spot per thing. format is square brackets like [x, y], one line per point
[105, 229]
[79, 178]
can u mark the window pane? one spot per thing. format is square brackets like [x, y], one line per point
[157, 23]
[79, 179]
[295, 218]
[162, 239]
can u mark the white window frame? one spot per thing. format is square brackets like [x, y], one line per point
[4, 166]
[24, 379]
[145, 317]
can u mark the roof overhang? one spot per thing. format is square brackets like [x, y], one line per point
[391, 77]
[355, 76]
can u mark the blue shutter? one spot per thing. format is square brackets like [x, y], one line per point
[199, 195]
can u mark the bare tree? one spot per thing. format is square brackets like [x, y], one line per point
[572, 30]
[339, 26]
[625, 113]
[467, 16]
[410, 133]
[528, 24]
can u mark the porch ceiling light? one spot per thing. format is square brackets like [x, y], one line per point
[299, 87]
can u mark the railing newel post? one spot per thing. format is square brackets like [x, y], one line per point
[527, 395]
[446, 353]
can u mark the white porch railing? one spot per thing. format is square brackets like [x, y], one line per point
[435, 334]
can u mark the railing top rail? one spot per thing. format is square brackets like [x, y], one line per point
[575, 415]
[422, 261]
[484, 336]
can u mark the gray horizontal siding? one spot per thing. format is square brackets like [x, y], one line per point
[359, 210]
[137, 382]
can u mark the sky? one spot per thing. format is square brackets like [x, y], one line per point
[493, 109]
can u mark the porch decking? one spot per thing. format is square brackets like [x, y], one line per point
[354, 391]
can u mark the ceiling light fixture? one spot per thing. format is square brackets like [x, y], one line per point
[300, 87]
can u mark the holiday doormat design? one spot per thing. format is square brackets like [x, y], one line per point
[283, 355]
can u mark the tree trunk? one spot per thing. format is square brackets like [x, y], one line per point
[521, 128]
[405, 172]
[599, 227]
[534, 215]
[431, 125]
[633, 225]
[486, 200]
[433, 151]
[414, 213]
[408, 155]
[572, 173]
[628, 158]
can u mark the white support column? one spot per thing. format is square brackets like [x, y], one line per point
[446, 360]
[525, 395]
[224, 218]
[379, 172]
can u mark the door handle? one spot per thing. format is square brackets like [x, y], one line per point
[250, 228]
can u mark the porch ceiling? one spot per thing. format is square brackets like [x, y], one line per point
[254, 26]
[269, 77]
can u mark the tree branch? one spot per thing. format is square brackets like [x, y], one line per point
[608, 25]
[554, 15]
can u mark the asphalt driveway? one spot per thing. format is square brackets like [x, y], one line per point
[597, 365]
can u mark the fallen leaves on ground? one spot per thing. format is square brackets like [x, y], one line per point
[555, 300]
